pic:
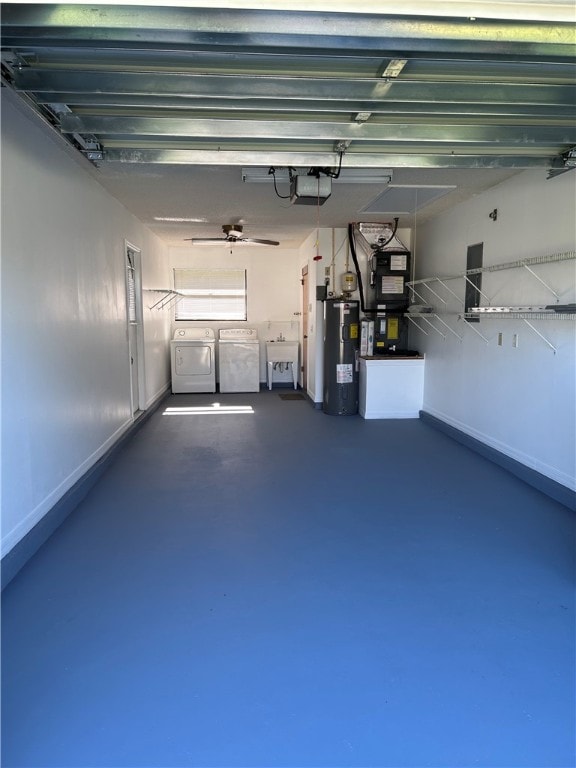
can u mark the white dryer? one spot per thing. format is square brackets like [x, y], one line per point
[193, 360]
[239, 360]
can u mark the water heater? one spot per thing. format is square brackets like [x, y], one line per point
[341, 350]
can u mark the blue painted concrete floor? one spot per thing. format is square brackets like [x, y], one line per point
[261, 584]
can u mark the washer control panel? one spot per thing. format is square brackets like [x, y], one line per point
[238, 334]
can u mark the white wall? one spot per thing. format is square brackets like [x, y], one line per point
[274, 291]
[521, 400]
[330, 246]
[308, 251]
[66, 393]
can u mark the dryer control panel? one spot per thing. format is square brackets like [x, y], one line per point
[194, 334]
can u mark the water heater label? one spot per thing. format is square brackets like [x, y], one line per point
[353, 330]
[344, 373]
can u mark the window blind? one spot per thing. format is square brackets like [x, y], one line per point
[211, 294]
[131, 286]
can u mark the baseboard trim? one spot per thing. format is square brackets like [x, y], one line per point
[18, 556]
[537, 480]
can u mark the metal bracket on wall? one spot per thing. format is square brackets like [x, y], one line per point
[422, 317]
[526, 317]
[425, 316]
[426, 283]
[448, 327]
[476, 288]
[472, 328]
[526, 263]
[413, 321]
[168, 298]
[429, 323]
[552, 291]
[544, 339]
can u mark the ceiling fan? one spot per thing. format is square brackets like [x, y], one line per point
[232, 236]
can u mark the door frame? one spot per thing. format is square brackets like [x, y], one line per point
[137, 370]
[305, 322]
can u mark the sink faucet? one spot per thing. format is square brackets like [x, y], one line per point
[281, 338]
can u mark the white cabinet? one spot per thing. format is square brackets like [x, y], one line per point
[391, 388]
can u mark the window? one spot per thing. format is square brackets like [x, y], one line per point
[131, 285]
[211, 294]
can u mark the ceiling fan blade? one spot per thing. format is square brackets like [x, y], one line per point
[207, 240]
[229, 241]
[256, 241]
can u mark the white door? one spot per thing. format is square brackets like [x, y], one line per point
[134, 318]
[305, 300]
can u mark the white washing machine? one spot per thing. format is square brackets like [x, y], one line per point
[239, 360]
[193, 360]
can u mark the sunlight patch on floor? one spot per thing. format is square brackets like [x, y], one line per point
[214, 409]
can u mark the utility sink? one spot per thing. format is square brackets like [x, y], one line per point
[282, 352]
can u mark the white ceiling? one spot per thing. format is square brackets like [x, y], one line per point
[217, 195]
[172, 101]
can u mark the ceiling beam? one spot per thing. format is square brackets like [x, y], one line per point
[322, 160]
[260, 30]
[99, 104]
[216, 129]
[287, 63]
[301, 89]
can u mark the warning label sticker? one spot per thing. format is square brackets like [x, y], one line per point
[398, 261]
[344, 373]
[392, 284]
